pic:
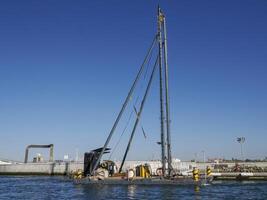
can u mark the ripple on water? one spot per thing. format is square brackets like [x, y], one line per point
[41, 187]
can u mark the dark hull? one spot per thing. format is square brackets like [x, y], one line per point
[147, 181]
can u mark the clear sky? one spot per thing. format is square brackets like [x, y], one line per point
[66, 67]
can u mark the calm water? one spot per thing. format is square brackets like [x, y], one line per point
[36, 187]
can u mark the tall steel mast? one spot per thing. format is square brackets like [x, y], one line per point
[167, 99]
[164, 109]
[162, 113]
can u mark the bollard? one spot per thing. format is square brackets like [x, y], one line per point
[208, 171]
[195, 174]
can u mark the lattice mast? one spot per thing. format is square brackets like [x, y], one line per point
[164, 93]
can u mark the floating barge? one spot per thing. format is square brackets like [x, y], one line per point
[138, 181]
[180, 181]
[96, 172]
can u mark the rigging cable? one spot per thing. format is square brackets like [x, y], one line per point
[123, 107]
[139, 113]
[134, 109]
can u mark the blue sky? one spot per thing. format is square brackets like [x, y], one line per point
[66, 67]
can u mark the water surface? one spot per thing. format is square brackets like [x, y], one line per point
[41, 187]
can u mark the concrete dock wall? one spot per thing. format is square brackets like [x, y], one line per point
[51, 168]
[63, 168]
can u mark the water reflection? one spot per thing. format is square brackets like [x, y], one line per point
[197, 189]
[197, 192]
[59, 188]
[131, 191]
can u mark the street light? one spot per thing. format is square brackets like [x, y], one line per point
[204, 162]
[241, 141]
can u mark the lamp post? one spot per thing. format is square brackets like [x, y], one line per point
[204, 163]
[241, 141]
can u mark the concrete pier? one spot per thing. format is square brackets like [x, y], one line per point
[64, 168]
[49, 168]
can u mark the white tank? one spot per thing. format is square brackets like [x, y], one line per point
[130, 174]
